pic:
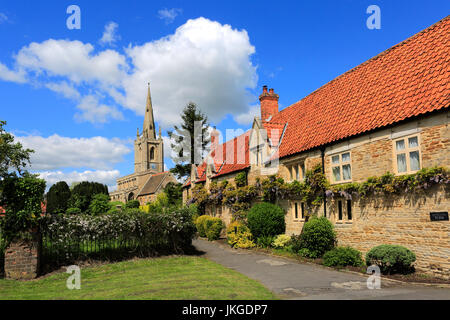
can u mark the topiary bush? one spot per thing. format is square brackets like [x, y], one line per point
[342, 256]
[266, 219]
[391, 258]
[239, 236]
[213, 227]
[318, 236]
[200, 224]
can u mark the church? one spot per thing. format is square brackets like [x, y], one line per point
[149, 177]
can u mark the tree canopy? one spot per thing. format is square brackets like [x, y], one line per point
[13, 157]
[57, 197]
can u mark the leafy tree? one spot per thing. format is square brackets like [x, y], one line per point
[12, 155]
[186, 142]
[99, 204]
[58, 197]
[83, 192]
[174, 193]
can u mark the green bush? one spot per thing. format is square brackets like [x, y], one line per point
[200, 224]
[265, 241]
[100, 204]
[295, 243]
[306, 253]
[342, 256]
[391, 258]
[266, 219]
[22, 198]
[213, 227]
[318, 236]
[132, 204]
[73, 211]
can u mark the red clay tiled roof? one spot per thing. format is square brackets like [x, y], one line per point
[405, 81]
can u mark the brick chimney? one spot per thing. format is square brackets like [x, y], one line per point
[269, 104]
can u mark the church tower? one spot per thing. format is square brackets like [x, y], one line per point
[148, 150]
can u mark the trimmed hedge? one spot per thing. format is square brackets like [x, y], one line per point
[213, 228]
[209, 227]
[200, 224]
[318, 237]
[391, 258]
[266, 219]
[343, 256]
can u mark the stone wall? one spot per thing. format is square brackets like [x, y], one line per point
[401, 219]
[22, 259]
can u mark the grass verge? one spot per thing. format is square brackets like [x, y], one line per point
[168, 278]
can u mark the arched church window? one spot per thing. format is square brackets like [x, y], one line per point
[152, 153]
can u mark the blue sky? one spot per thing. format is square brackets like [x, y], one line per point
[77, 99]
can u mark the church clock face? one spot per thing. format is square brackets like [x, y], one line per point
[153, 166]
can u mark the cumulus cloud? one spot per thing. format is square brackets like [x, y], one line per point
[169, 15]
[12, 75]
[56, 152]
[107, 177]
[247, 118]
[95, 112]
[64, 88]
[110, 34]
[73, 60]
[203, 61]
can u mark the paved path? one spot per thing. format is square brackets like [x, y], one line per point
[292, 280]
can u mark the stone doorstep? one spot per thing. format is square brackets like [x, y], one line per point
[437, 285]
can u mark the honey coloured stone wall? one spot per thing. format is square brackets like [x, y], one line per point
[402, 220]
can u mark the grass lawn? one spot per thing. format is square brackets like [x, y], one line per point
[166, 278]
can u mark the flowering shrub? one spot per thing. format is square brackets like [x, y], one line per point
[151, 233]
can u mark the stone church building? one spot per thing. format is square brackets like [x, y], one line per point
[149, 177]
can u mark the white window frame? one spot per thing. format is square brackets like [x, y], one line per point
[407, 150]
[340, 165]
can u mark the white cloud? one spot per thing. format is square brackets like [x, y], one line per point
[247, 118]
[93, 111]
[65, 89]
[169, 15]
[73, 60]
[13, 76]
[110, 34]
[56, 152]
[203, 61]
[3, 17]
[107, 177]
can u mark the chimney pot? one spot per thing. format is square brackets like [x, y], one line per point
[269, 104]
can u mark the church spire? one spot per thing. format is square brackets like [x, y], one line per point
[149, 122]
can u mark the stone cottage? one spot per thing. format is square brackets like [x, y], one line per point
[388, 114]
